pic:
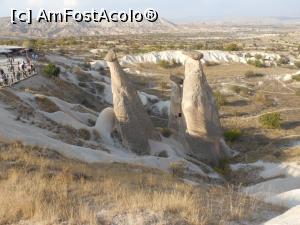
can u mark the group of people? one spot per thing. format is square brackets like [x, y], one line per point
[16, 70]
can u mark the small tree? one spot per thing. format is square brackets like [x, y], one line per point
[51, 70]
[232, 47]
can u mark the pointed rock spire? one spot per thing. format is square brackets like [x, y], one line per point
[198, 104]
[175, 117]
[133, 123]
[200, 113]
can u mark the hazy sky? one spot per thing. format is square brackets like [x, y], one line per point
[175, 9]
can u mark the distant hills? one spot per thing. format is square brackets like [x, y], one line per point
[72, 28]
[52, 30]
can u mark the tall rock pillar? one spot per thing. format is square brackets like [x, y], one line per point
[133, 122]
[200, 112]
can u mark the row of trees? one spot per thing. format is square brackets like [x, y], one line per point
[45, 43]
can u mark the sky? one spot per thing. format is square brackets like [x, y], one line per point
[175, 10]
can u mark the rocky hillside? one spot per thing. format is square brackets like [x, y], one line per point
[52, 30]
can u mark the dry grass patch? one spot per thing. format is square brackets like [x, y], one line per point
[158, 69]
[263, 99]
[46, 105]
[84, 134]
[40, 185]
[236, 69]
[81, 75]
[291, 155]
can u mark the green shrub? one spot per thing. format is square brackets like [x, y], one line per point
[177, 168]
[165, 132]
[232, 47]
[220, 99]
[174, 63]
[248, 55]
[51, 70]
[270, 120]
[211, 63]
[84, 134]
[199, 46]
[30, 44]
[163, 154]
[232, 135]
[223, 167]
[257, 63]
[283, 60]
[296, 77]
[297, 64]
[236, 89]
[166, 64]
[258, 56]
[241, 90]
[252, 74]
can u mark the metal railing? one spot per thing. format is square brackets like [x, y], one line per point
[14, 75]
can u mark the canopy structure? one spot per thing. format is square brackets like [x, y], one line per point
[7, 49]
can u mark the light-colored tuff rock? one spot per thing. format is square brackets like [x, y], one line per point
[198, 104]
[200, 113]
[175, 116]
[133, 122]
[105, 125]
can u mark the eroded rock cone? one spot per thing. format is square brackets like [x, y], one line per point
[133, 123]
[175, 117]
[200, 112]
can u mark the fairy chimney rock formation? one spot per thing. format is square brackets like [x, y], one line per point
[200, 112]
[198, 104]
[133, 122]
[175, 117]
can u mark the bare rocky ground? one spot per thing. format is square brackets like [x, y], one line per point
[61, 114]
